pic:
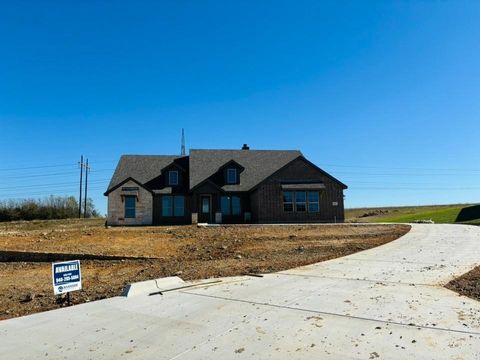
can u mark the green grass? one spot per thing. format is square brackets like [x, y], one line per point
[472, 222]
[442, 214]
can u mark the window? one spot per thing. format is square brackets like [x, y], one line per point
[313, 202]
[300, 201]
[231, 176]
[173, 177]
[173, 205]
[130, 206]
[230, 205]
[236, 210]
[167, 206]
[225, 205]
[205, 205]
[179, 206]
[288, 201]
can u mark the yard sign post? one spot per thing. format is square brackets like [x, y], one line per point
[335, 204]
[67, 277]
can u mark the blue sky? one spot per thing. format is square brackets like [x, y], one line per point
[383, 95]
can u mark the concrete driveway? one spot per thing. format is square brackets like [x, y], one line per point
[387, 302]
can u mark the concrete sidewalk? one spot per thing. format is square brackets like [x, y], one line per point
[387, 302]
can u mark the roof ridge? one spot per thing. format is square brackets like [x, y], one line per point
[161, 155]
[258, 164]
[246, 151]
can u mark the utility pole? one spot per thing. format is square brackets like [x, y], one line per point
[182, 151]
[80, 197]
[87, 169]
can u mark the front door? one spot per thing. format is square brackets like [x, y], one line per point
[205, 215]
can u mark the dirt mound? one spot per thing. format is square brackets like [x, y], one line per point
[195, 253]
[376, 212]
[467, 284]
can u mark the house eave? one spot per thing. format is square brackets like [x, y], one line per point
[124, 182]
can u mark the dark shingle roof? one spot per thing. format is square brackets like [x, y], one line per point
[257, 164]
[142, 168]
[202, 165]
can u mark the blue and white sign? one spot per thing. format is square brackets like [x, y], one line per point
[66, 276]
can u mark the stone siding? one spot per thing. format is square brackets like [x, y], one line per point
[143, 208]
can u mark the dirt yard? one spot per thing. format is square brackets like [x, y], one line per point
[468, 284]
[187, 251]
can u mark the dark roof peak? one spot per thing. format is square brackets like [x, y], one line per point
[144, 168]
[202, 164]
[152, 156]
[240, 150]
[258, 165]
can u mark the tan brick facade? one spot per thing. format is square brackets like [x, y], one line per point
[143, 208]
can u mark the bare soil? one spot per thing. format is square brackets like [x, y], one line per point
[468, 284]
[187, 251]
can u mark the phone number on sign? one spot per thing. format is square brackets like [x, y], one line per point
[66, 278]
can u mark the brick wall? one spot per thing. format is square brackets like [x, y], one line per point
[143, 206]
[267, 202]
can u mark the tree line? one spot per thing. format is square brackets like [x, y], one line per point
[52, 207]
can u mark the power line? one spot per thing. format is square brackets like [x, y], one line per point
[73, 187]
[87, 169]
[400, 168]
[31, 175]
[53, 165]
[39, 175]
[52, 192]
[324, 164]
[50, 185]
[399, 174]
[426, 188]
[36, 167]
[80, 196]
[387, 182]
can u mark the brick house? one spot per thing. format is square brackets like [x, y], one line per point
[223, 186]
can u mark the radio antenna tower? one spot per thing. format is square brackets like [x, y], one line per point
[182, 151]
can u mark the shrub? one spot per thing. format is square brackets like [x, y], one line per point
[52, 207]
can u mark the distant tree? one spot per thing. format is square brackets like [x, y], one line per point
[71, 207]
[52, 207]
[91, 210]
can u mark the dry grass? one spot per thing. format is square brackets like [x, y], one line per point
[195, 252]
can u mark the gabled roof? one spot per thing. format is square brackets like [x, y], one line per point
[326, 174]
[258, 165]
[110, 189]
[206, 166]
[142, 168]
